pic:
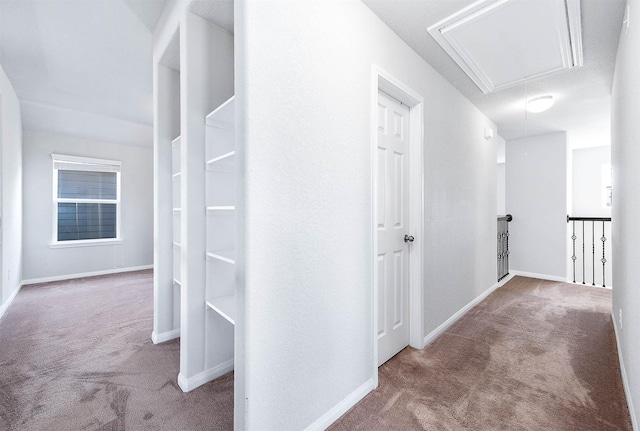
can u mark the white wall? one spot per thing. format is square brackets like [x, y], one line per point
[537, 187]
[587, 181]
[11, 192]
[501, 175]
[305, 94]
[43, 262]
[501, 171]
[625, 156]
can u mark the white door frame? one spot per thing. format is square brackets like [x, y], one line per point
[381, 80]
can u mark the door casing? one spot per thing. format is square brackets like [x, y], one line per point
[382, 80]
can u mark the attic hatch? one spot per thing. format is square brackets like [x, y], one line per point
[499, 43]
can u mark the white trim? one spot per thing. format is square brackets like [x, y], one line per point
[625, 380]
[85, 160]
[85, 243]
[464, 310]
[189, 384]
[85, 274]
[540, 276]
[342, 407]
[4, 307]
[64, 162]
[161, 337]
[568, 28]
[381, 80]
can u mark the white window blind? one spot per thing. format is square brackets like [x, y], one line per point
[86, 199]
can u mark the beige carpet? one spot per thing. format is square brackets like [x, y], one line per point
[535, 355]
[77, 355]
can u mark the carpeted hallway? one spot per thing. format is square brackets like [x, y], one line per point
[535, 355]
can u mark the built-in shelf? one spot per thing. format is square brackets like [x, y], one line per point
[176, 281]
[177, 244]
[221, 209]
[227, 255]
[224, 306]
[176, 176]
[176, 141]
[222, 116]
[222, 163]
[177, 210]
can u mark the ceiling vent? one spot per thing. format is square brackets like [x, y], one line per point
[499, 43]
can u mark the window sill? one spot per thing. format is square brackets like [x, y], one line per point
[85, 243]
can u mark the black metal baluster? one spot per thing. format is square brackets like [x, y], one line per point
[593, 253]
[603, 239]
[583, 259]
[506, 244]
[573, 257]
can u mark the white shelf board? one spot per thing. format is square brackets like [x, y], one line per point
[228, 255]
[177, 210]
[222, 116]
[176, 176]
[177, 244]
[176, 281]
[224, 163]
[221, 209]
[176, 141]
[224, 306]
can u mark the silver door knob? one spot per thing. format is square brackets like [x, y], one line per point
[408, 238]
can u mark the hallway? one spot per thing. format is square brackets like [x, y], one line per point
[534, 355]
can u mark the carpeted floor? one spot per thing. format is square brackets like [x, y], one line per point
[535, 355]
[77, 355]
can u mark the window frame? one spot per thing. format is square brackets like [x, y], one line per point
[97, 165]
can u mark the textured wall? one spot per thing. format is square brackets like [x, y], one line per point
[11, 195]
[625, 159]
[587, 182]
[305, 82]
[536, 183]
[136, 249]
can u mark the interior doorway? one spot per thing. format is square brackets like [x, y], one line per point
[398, 201]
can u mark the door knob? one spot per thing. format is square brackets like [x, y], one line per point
[408, 238]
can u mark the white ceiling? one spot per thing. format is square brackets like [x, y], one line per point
[82, 67]
[85, 65]
[582, 94]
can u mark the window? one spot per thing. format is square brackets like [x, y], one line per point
[86, 200]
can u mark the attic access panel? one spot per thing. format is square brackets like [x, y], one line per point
[499, 43]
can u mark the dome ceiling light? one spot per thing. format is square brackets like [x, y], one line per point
[539, 104]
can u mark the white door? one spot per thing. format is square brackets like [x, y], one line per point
[393, 224]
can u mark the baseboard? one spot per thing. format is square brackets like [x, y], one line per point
[85, 274]
[342, 407]
[4, 307]
[540, 276]
[161, 337]
[464, 310]
[190, 383]
[625, 380]
[505, 280]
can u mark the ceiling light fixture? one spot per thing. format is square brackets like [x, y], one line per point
[539, 104]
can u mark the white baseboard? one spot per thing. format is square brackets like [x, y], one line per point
[464, 310]
[7, 303]
[625, 380]
[85, 274]
[190, 383]
[540, 276]
[342, 407]
[161, 337]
